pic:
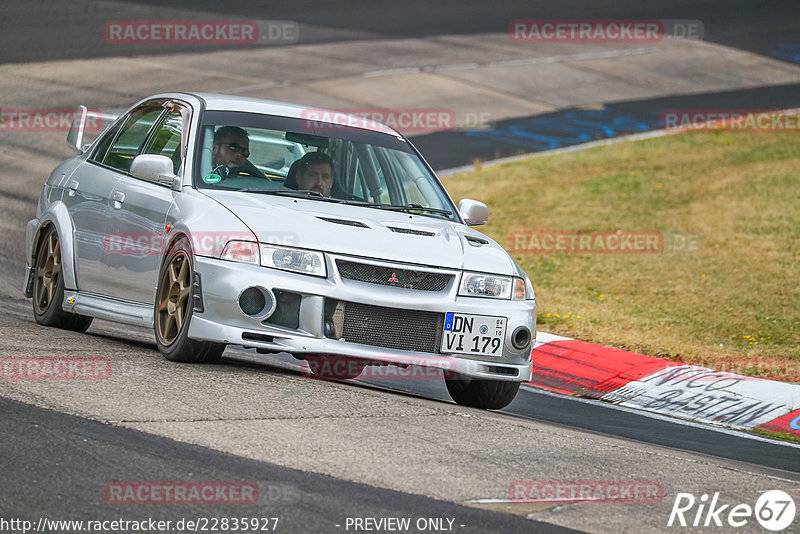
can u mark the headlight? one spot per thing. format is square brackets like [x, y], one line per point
[242, 251]
[293, 259]
[485, 285]
[495, 287]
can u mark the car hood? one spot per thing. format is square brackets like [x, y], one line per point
[366, 232]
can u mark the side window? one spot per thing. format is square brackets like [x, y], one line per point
[166, 141]
[131, 138]
[105, 142]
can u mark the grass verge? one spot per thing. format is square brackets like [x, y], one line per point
[725, 290]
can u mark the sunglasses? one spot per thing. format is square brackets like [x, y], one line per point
[233, 147]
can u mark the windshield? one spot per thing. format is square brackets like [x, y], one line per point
[266, 154]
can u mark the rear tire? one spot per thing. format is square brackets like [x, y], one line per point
[173, 310]
[48, 287]
[479, 392]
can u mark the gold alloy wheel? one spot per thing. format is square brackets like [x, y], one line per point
[48, 271]
[174, 298]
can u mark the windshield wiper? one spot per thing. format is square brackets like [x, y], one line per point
[311, 195]
[409, 208]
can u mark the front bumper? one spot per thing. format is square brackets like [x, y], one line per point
[219, 318]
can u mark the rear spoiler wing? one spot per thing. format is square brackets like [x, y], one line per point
[87, 120]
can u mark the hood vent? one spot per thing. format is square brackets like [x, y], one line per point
[345, 222]
[475, 241]
[410, 231]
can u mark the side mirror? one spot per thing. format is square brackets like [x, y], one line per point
[155, 168]
[473, 212]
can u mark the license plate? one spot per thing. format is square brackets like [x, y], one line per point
[473, 334]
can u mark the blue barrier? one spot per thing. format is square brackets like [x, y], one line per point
[789, 52]
[568, 128]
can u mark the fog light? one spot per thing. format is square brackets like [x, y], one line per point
[521, 338]
[256, 302]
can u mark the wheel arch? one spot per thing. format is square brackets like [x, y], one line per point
[169, 243]
[57, 216]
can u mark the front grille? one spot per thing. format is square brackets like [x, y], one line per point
[387, 276]
[392, 328]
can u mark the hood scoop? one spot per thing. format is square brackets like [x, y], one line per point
[346, 222]
[475, 241]
[410, 231]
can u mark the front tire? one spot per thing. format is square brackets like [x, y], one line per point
[480, 392]
[173, 310]
[48, 287]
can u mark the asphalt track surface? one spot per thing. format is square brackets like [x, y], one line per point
[30, 28]
[591, 415]
[67, 481]
[55, 464]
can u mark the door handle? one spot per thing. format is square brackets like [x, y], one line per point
[119, 198]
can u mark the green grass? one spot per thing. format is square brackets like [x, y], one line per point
[778, 435]
[733, 303]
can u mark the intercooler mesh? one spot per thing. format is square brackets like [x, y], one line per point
[392, 328]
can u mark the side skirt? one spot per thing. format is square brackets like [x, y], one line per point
[121, 311]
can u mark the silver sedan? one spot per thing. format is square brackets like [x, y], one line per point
[221, 220]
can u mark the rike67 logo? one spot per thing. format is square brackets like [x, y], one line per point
[774, 510]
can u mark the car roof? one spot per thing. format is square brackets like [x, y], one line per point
[220, 102]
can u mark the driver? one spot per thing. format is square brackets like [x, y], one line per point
[230, 152]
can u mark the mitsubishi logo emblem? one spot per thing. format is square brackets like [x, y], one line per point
[394, 278]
